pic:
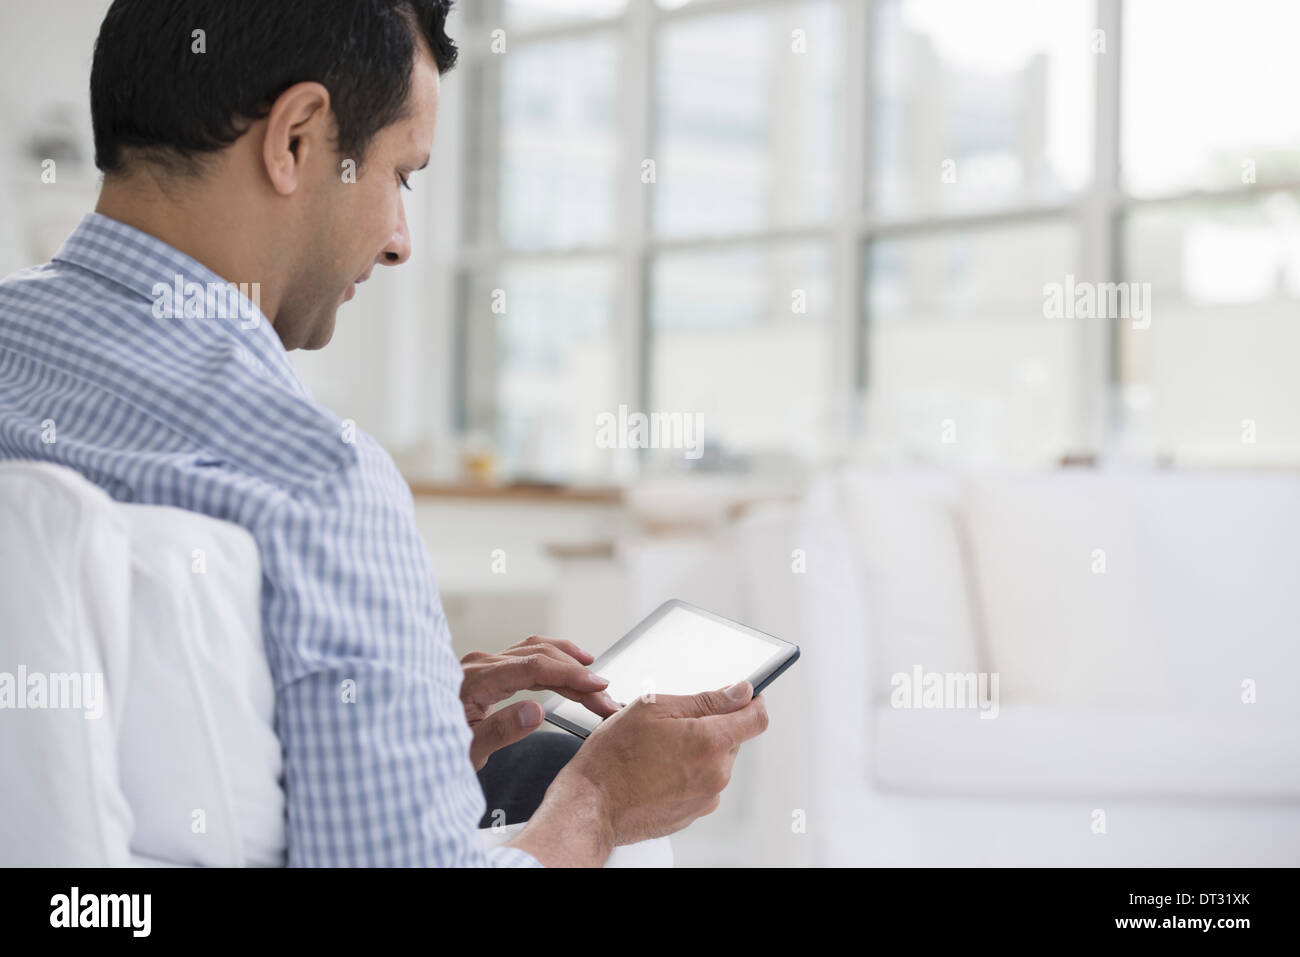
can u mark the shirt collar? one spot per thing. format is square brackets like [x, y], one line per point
[142, 264]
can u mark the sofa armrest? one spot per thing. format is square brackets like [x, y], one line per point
[801, 581]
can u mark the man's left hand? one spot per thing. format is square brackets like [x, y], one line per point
[534, 664]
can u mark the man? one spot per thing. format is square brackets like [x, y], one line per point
[267, 143]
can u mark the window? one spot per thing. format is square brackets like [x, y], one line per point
[820, 221]
[962, 361]
[980, 105]
[1210, 141]
[540, 354]
[548, 176]
[739, 336]
[1213, 379]
[747, 119]
[985, 111]
[1208, 95]
[531, 13]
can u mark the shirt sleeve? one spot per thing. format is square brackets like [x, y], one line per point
[368, 710]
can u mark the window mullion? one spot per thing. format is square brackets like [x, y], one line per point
[848, 328]
[1099, 260]
[632, 217]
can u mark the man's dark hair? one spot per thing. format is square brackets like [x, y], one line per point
[151, 92]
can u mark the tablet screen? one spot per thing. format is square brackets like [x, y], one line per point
[683, 652]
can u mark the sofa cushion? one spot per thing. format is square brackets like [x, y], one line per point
[913, 572]
[1028, 751]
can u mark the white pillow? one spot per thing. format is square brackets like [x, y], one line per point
[64, 582]
[1060, 584]
[905, 526]
[200, 761]
[1220, 561]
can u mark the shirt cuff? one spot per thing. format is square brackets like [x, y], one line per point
[511, 857]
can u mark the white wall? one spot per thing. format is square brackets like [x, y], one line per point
[45, 54]
[389, 365]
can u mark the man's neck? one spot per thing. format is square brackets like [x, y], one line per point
[189, 220]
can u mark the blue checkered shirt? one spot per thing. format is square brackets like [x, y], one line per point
[209, 415]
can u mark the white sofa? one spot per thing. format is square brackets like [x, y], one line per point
[171, 759]
[1125, 614]
[182, 767]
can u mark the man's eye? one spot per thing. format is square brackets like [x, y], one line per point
[401, 178]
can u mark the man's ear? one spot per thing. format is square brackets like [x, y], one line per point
[299, 124]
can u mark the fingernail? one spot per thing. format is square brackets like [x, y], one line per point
[601, 682]
[609, 701]
[739, 691]
[529, 716]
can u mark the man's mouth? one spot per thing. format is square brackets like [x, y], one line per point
[352, 289]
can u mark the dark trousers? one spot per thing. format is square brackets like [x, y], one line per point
[516, 777]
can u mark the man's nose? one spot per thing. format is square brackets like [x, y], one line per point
[398, 249]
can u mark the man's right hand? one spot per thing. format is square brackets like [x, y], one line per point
[647, 771]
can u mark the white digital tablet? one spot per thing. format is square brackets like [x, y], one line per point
[680, 649]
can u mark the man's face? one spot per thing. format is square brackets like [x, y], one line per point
[356, 220]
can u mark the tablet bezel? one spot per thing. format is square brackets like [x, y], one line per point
[760, 679]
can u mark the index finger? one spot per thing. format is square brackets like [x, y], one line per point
[541, 672]
[564, 644]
